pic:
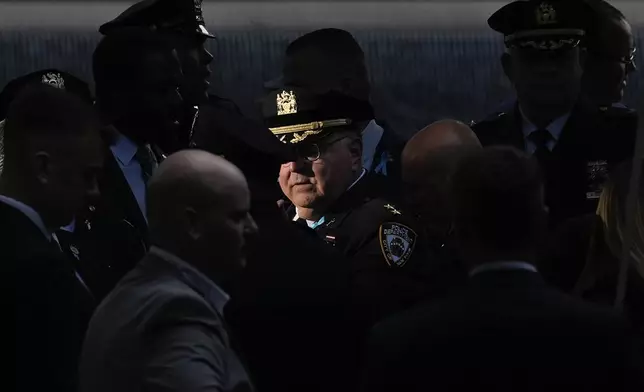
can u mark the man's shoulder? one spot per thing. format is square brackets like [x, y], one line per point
[161, 296]
[491, 120]
[610, 132]
[497, 123]
[376, 211]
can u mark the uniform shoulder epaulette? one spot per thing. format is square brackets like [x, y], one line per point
[392, 209]
[618, 111]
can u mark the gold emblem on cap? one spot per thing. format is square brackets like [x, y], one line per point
[286, 103]
[546, 14]
[54, 79]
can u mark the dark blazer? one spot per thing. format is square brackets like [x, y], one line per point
[112, 236]
[507, 331]
[51, 307]
[591, 143]
[161, 329]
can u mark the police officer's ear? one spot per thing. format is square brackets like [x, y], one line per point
[355, 149]
[506, 62]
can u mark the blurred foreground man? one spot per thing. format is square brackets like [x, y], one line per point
[331, 193]
[428, 164]
[332, 60]
[507, 331]
[52, 157]
[162, 328]
[576, 144]
[182, 23]
[611, 56]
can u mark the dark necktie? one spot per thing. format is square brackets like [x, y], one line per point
[541, 138]
[148, 162]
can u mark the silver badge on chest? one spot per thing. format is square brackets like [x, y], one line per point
[597, 174]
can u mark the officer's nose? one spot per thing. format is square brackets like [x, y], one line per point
[301, 164]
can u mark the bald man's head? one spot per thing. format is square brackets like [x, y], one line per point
[198, 208]
[428, 161]
[444, 134]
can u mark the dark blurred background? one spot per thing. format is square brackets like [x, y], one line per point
[428, 59]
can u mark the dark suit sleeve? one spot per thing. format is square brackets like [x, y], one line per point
[186, 353]
[47, 344]
[380, 373]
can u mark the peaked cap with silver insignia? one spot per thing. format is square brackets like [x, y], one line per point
[542, 24]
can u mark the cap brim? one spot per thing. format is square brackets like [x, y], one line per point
[275, 83]
[544, 34]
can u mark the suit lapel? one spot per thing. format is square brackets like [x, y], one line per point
[514, 129]
[116, 191]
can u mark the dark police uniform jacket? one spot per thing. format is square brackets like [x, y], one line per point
[389, 261]
[591, 143]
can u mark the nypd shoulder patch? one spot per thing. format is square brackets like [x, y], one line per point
[397, 243]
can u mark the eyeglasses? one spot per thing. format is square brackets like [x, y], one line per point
[312, 151]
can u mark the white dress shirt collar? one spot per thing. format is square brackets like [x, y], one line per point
[124, 149]
[29, 213]
[213, 293]
[371, 136]
[503, 266]
[555, 128]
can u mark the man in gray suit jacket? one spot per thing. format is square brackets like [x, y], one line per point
[162, 328]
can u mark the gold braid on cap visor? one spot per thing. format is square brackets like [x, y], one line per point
[309, 129]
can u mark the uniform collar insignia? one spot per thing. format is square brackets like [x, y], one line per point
[54, 79]
[286, 103]
[392, 209]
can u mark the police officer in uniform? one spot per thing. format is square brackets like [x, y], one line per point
[330, 193]
[332, 60]
[303, 309]
[183, 23]
[575, 143]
